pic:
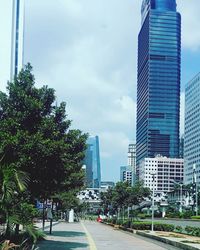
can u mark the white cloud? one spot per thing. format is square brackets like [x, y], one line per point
[190, 23]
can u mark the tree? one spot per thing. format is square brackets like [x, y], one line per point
[123, 196]
[12, 182]
[35, 137]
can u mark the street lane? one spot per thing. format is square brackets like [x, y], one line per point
[181, 222]
[108, 238]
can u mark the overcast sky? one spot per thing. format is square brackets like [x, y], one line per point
[87, 51]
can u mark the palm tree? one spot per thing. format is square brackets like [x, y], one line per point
[12, 182]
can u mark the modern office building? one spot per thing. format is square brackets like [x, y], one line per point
[126, 174]
[158, 86]
[92, 163]
[181, 147]
[192, 131]
[132, 160]
[17, 39]
[166, 171]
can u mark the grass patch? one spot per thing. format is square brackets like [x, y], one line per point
[172, 235]
[191, 242]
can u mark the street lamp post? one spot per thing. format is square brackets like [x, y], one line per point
[196, 189]
[152, 220]
[181, 195]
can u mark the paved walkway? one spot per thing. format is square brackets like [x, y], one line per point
[65, 237]
[95, 236]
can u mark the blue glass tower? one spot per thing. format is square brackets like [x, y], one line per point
[92, 162]
[158, 87]
[17, 39]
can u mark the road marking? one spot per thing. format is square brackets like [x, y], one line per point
[89, 238]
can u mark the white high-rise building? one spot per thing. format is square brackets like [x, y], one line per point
[126, 174]
[132, 160]
[192, 131]
[17, 39]
[166, 171]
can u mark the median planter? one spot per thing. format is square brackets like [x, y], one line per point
[157, 226]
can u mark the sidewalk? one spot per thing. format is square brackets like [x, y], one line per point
[181, 241]
[65, 236]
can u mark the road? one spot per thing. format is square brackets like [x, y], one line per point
[95, 236]
[180, 222]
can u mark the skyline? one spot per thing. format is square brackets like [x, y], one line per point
[104, 53]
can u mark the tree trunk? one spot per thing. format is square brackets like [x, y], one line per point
[7, 233]
[17, 229]
[43, 216]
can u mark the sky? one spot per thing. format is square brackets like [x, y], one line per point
[87, 51]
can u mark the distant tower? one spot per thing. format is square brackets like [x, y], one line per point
[132, 160]
[17, 38]
[92, 162]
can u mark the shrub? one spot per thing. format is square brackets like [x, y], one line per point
[157, 226]
[126, 223]
[119, 222]
[141, 216]
[186, 214]
[189, 229]
[195, 231]
[179, 229]
[195, 217]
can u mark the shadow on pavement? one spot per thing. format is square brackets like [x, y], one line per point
[66, 233]
[58, 245]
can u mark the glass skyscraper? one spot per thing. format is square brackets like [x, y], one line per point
[158, 87]
[17, 39]
[92, 162]
[192, 132]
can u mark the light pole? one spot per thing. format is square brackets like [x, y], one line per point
[196, 189]
[181, 195]
[152, 219]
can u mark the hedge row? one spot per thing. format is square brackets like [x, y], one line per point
[146, 225]
[157, 226]
[142, 225]
[194, 231]
[197, 217]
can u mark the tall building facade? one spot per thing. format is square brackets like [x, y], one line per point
[17, 39]
[192, 132]
[166, 171]
[158, 86]
[92, 163]
[132, 160]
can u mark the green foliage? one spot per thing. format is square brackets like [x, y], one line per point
[143, 216]
[179, 229]
[26, 213]
[157, 226]
[68, 199]
[36, 138]
[196, 217]
[123, 195]
[195, 231]
[40, 155]
[186, 214]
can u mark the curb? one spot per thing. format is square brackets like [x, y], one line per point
[173, 219]
[167, 241]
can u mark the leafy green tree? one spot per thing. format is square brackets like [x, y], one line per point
[12, 182]
[137, 194]
[35, 137]
[123, 196]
